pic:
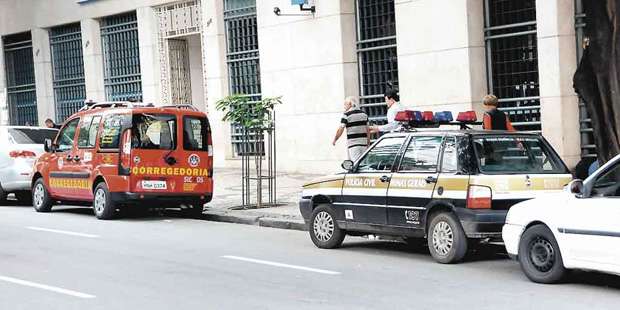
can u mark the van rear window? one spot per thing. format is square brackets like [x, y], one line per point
[516, 155]
[154, 131]
[195, 133]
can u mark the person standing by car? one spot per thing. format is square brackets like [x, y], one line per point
[49, 123]
[355, 121]
[392, 100]
[493, 118]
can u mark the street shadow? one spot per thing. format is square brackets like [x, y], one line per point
[593, 278]
[128, 213]
[483, 252]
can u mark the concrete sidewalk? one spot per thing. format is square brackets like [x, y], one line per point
[225, 206]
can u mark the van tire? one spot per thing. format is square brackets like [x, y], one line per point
[447, 242]
[195, 210]
[103, 206]
[41, 200]
[323, 228]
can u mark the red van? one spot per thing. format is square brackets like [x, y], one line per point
[118, 154]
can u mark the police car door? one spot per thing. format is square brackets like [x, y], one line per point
[412, 185]
[364, 191]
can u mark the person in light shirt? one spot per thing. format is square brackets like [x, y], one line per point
[394, 106]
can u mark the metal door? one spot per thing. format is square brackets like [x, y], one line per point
[180, 80]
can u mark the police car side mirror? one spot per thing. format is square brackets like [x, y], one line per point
[47, 145]
[347, 165]
[575, 187]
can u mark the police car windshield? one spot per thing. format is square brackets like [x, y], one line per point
[516, 155]
[154, 131]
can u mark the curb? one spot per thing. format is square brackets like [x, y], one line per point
[262, 221]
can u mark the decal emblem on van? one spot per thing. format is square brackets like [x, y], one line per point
[60, 163]
[136, 160]
[193, 160]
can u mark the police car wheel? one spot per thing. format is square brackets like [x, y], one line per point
[447, 242]
[41, 200]
[102, 203]
[324, 230]
[539, 255]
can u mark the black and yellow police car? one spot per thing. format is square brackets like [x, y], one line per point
[450, 185]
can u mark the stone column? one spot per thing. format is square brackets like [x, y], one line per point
[556, 67]
[43, 75]
[4, 112]
[311, 62]
[216, 77]
[441, 56]
[148, 31]
[93, 59]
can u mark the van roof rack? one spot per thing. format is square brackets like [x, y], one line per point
[181, 106]
[89, 105]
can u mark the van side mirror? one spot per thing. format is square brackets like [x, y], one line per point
[347, 165]
[47, 145]
[575, 187]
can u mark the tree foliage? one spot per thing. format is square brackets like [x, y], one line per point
[255, 115]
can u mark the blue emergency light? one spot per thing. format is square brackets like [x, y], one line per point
[443, 116]
[299, 2]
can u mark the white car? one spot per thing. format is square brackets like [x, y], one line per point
[19, 148]
[575, 229]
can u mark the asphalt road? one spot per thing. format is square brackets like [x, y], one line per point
[69, 260]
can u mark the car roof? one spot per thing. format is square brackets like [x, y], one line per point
[27, 127]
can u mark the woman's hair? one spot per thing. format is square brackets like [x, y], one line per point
[489, 100]
[392, 94]
[353, 101]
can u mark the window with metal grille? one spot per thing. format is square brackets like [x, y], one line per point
[376, 54]
[68, 69]
[588, 148]
[242, 59]
[121, 57]
[19, 66]
[512, 59]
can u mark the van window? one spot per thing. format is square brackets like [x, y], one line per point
[111, 132]
[88, 132]
[67, 135]
[154, 131]
[195, 133]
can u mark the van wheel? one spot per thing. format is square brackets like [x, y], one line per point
[102, 203]
[324, 230]
[41, 200]
[539, 255]
[24, 198]
[194, 210]
[446, 239]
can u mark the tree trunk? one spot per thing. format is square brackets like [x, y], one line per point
[597, 77]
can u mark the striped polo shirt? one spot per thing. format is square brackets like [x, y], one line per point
[356, 123]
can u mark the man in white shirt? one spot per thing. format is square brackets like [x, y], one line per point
[391, 99]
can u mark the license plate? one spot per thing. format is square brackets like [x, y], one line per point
[154, 184]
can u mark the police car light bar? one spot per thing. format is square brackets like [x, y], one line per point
[412, 118]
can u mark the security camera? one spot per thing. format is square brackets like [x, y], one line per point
[276, 10]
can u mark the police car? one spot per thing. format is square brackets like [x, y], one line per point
[452, 186]
[117, 154]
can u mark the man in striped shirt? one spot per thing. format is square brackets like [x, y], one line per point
[355, 121]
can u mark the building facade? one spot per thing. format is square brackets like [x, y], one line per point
[440, 54]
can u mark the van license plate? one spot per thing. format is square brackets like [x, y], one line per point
[154, 184]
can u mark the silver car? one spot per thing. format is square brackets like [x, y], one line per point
[19, 147]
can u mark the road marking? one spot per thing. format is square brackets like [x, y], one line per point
[64, 232]
[46, 287]
[264, 262]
